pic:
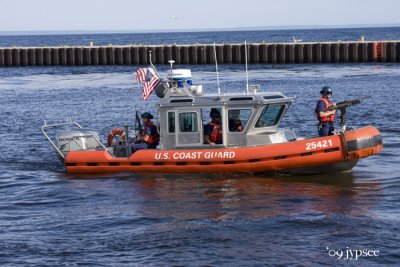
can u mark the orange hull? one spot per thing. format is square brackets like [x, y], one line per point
[310, 153]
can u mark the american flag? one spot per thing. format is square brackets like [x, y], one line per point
[149, 87]
[141, 75]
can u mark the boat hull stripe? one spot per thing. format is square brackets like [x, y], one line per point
[363, 143]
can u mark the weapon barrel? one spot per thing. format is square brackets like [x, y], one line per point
[351, 102]
[139, 124]
[344, 104]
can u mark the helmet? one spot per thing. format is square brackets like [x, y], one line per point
[326, 90]
[215, 113]
[147, 115]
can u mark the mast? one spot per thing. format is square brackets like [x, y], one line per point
[216, 69]
[247, 73]
[171, 62]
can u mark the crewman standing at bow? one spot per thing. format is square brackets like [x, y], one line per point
[325, 118]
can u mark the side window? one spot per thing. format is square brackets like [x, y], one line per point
[270, 116]
[188, 122]
[238, 119]
[171, 122]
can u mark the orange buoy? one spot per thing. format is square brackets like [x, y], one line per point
[115, 132]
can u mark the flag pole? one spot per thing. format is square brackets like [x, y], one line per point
[151, 64]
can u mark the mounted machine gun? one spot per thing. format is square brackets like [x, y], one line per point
[342, 107]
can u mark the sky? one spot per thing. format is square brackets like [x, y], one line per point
[132, 15]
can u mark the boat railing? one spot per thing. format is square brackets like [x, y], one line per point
[62, 124]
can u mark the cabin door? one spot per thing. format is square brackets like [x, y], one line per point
[189, 128]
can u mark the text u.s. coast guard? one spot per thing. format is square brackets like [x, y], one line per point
[197, 155]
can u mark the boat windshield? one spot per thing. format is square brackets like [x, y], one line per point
[79, 142]
[270, 116]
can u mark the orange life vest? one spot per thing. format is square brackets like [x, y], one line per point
[237, 126]
[330, 118]
[153, 139]
[216, 133]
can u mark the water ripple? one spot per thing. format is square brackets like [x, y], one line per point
[49, 218]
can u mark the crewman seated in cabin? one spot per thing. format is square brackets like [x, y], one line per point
[149, 136]
[234, 122]
[213, 130]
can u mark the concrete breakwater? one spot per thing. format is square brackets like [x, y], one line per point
[258, 53]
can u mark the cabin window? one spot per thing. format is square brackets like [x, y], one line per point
[171, 122]
[270, 116]
[188, 122]
[238, 119]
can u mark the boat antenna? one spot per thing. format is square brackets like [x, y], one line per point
[216, 69]
[171, 62]
[247, 73]
[153, 67]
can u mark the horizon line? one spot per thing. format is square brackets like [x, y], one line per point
[251, 28]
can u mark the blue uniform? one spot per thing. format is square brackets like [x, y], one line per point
[151, 131]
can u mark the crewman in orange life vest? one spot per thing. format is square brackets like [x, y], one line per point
[234, 122]
[213, 130]
[325, 118]
[149, 137]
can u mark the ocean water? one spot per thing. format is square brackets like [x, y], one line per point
[49, 218]
[219, 37]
